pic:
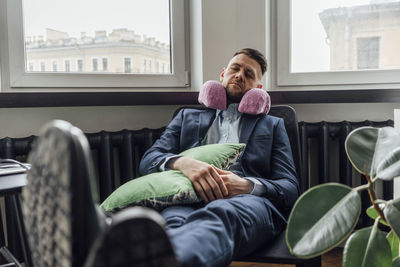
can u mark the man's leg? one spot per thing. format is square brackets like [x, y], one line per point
[175, 216]
[225, 228]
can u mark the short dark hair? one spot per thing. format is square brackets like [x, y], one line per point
[256, 55]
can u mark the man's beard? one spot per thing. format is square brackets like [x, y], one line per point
[232, 97]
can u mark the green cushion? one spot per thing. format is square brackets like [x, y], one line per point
[162, 189]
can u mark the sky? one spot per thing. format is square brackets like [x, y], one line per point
[150, 17]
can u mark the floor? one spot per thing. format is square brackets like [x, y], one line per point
[332, 258]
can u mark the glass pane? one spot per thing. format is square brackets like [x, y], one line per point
[343, 35]
[97, 36]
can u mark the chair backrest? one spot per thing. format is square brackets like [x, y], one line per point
[289, 116]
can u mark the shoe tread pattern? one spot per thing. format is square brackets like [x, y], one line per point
[138, 242]
[46, 201]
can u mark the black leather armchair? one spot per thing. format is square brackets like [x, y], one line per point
[277, 251]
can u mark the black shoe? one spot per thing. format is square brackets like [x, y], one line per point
[136, 237]
[60, 217]
[63, 225]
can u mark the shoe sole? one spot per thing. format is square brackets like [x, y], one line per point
[46, 202]
[136, 237]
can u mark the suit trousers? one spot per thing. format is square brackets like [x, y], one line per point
[214, 234]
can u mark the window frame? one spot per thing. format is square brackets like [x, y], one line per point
[284, 76]
[20, 79]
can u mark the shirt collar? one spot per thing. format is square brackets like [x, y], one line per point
[232, 111]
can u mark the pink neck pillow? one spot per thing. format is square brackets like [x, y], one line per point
[255, 101]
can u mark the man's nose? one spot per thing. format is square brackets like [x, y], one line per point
[239, 75]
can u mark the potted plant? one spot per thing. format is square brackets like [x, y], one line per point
[326, 215]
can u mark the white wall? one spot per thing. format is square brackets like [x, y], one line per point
[349, 112]
[22, 122]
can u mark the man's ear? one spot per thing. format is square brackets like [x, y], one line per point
[221, 76]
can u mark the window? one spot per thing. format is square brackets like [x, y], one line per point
[105, 63]
[368, 53]
[127, 65]
[338, 42]
[55, 66]
[95, 64]
[67, 65]
[79, 64]
[42, 66]
[147, 66]
[127, 31]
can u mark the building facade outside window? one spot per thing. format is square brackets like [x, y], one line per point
[106, 40]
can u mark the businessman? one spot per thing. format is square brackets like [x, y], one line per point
[242, 208]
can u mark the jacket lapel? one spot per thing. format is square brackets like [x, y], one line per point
[206, 118]
[248, 124]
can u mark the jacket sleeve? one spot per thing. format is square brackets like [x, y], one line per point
[282, 186]
[168, 145]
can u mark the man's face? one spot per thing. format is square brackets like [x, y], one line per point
[242, 74]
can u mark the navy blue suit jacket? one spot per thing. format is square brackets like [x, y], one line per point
[267, 156]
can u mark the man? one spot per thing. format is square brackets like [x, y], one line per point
[243, 208]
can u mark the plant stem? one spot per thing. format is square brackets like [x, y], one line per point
[361, 187]
[373, 198]
[374, 179]
[376, 222]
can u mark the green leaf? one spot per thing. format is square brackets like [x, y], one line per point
[396, 262]
[373, 214]
[367, 247]
[394, 243]
[387, 154]
[360, 148]
[392, 214]
[322, 218]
